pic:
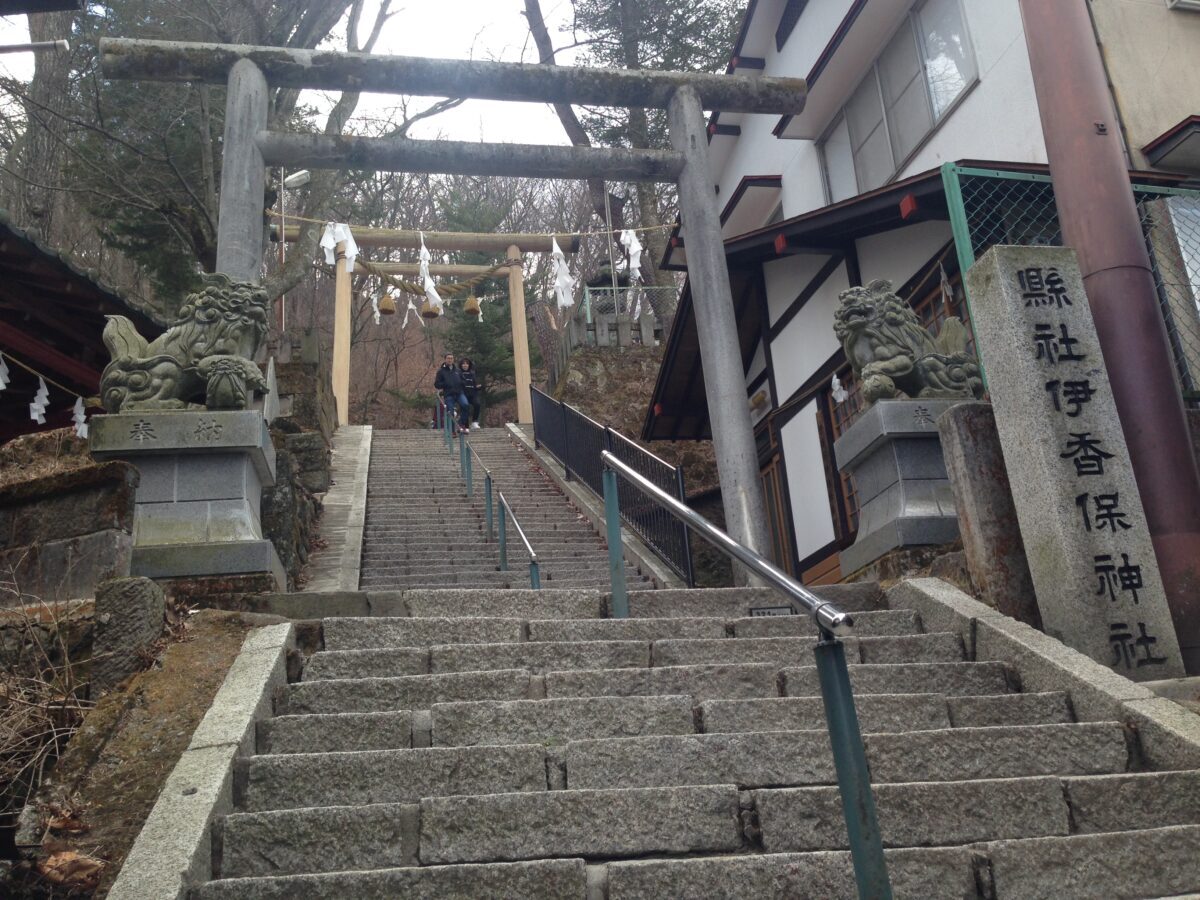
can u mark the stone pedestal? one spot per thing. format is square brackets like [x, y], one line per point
[202, 475]
[904, 497]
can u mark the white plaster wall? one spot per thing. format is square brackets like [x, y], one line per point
[786, 278]
[808, 339]
[998, 119]
[1151, 53]
[757, 151]
[811, 516]
[897, 255]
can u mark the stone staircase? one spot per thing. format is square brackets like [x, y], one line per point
[423, 532]
[519, 744]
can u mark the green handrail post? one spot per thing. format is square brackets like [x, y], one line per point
[616, 562]
[854, 779]
[487, 495]
[503, 542]
[470, 476]
[535, 575]
[447, 428]
[462, 456]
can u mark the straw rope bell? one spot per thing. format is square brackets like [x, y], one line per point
[387, 305]
[471, 306]
[428, 310]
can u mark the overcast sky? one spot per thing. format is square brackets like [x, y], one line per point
[483, 29]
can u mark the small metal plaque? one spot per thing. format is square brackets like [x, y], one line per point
[772, 611]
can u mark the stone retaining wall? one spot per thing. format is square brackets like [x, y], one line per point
[62, 534]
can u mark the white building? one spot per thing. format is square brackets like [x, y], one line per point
[920, 145]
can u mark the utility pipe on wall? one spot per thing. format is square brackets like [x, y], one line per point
[1099, 218]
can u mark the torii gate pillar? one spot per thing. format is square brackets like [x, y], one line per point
[716, 328]
[243, 175]
[520, 335]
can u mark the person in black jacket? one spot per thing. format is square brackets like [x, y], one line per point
[466, 369]
[450, 383]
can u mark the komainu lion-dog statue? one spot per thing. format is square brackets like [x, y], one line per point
[203, 360]
[892, 354]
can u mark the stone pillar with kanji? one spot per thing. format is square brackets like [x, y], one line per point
[1090, 554]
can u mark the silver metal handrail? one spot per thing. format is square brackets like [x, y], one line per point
[535, 571]
[826, 615]
[517, 525]
[833, 673]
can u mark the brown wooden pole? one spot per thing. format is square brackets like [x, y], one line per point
[348, 151]
[449, 240]
[520, 336]
[339, 71]
[342, 326]
[1100, 220]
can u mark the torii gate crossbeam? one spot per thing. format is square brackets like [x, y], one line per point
[247, 70]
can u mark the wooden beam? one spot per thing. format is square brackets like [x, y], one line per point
[411, 270]
[39, 353]
[717, 129]
[338, 71]
[345, 151]
[447, 240]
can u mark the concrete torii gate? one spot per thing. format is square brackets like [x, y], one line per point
[249, 148]
[512, 245]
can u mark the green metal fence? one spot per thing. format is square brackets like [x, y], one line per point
[995, 206]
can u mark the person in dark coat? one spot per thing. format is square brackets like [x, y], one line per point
[466, 369]
[449, 382]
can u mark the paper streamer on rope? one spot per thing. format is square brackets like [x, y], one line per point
[431, 293]
[564, 284]
[37, 409]
[412, 309]
[80, 420]
[4, 376]
[336, 232]
[634, 248]
[375, 310]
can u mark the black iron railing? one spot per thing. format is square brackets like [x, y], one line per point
[578, 441]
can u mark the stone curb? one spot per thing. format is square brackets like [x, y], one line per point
[636, 551]
[173, 851]
[352, 551]
[1168, 734]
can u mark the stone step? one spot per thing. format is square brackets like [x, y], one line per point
[409, 692]
[734, 603]
[537, 657]
[700, 682]
[556, 879]
[887, 712]
[336, 732]
[522, 603]
[946, 647]
[772, 759]
[1129, 801]
[558, 721]
[592, 824]
[943, 873]
[297, 780]
[916, 815]
[356, 633]
[1159, 862]
[955, 678]
[625, 629]
[870, 623]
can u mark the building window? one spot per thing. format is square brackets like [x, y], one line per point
[924, 68]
